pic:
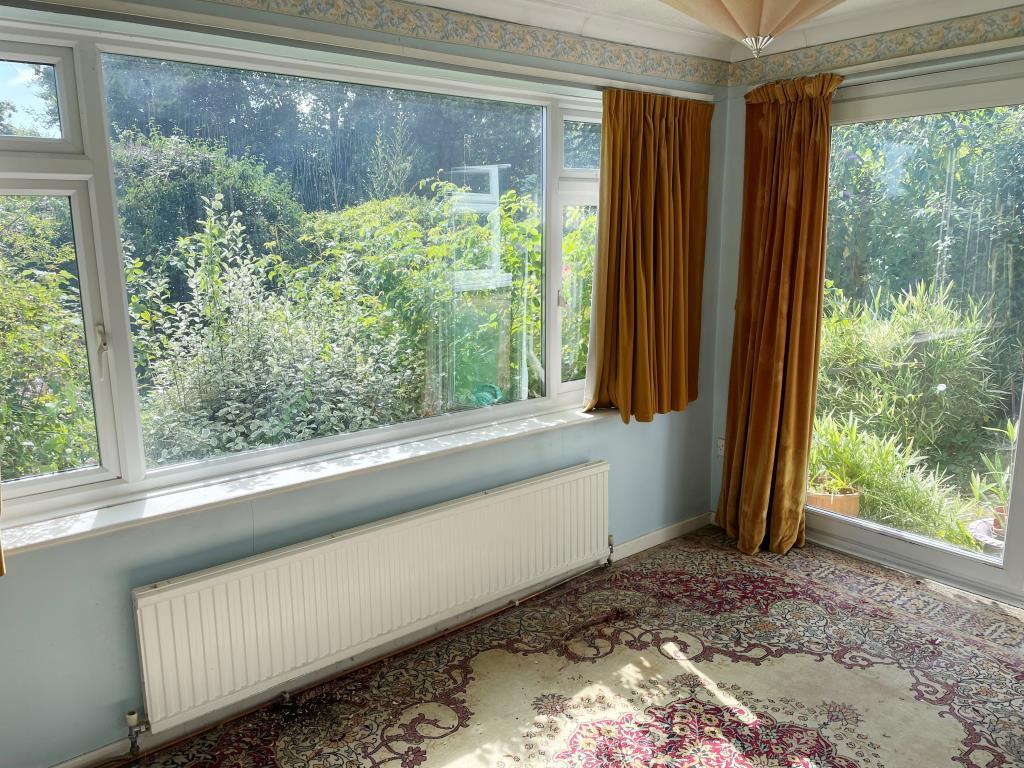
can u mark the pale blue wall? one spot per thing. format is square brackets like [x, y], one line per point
[731, 110]
[69, 667]
[68, 663]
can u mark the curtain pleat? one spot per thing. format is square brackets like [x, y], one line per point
[778, 313]
[652, 223]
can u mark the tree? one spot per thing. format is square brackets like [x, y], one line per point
[6, 111]
[391, 162]
[317, 134]
[162, 180]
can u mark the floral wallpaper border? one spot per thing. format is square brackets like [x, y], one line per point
[420, 22]
[994, 26]
[395, 17]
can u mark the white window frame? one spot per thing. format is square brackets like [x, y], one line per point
[573, 186]
[77, 194]
[951, 91]
[61, 58]
[79, 165]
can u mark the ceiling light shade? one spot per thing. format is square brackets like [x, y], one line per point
[757, 44]
[753, 22]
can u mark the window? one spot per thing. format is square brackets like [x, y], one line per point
[579, 243]
[28, 106]
[312, 258]
[213, 268]
[920, 378]
[46, 406]
[576, 209]
[582, 144]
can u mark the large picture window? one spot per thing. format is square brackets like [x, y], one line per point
[218, 262]
[918, 399]
[308, 258]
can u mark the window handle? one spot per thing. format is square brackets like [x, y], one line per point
[102, 348]
[561, 299]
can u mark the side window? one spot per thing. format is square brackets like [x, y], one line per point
[577, 197]
[46, 399]
[579, 247]
[581, 145]
[38, 100]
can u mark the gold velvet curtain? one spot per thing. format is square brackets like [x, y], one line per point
[652, 222]
[778, 313]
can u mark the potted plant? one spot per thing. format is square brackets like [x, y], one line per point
[831, 493]
[991, 489]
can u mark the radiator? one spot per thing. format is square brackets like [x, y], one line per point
[220, 636]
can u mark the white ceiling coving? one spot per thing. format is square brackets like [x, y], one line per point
[653, 24]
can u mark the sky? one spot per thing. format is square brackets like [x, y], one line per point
[18, 85]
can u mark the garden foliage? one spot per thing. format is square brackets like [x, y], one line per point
[922, 330]
[298, 267]
[45, 404]
[324, 323]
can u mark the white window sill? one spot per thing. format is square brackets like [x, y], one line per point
[24, 535]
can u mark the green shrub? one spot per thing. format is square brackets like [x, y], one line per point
[259, 357]
[897, 488]
[371, 329]
[45, 399]
[916, 366]
[404, 253]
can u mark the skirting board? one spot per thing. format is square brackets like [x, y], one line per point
[660, 536]
[148, 742]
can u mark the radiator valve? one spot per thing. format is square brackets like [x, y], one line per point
[136, 727]
[611, 551]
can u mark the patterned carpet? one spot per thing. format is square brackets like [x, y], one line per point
[689, 654]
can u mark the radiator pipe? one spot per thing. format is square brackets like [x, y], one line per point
[135, 754]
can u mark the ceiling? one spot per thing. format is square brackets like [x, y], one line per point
[653, 24]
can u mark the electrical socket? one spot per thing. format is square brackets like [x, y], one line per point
[721, 446]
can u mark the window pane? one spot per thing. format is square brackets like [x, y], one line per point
[921, 361]
[582, 145]
[579, 244]
[309, 258]
[28, 100]
[46, 404]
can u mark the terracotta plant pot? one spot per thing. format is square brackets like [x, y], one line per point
[841, 503]
[999, 520]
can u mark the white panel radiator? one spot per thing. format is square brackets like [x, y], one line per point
[223, 635]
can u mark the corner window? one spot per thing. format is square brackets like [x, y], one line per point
[918, 400]
[225, 267]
